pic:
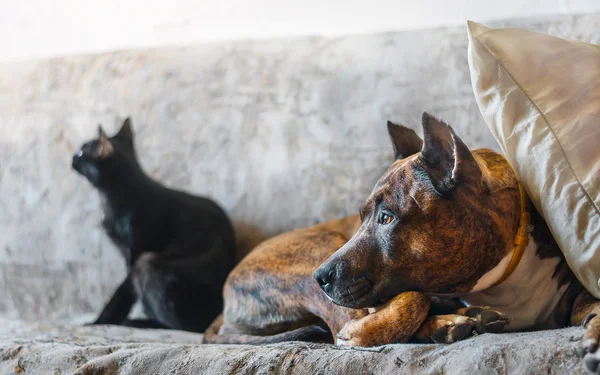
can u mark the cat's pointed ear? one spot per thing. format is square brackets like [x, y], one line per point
[126, 129]
[105, 147]
[405, 141]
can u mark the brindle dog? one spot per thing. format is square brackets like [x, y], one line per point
[271, 295]
[441, 221]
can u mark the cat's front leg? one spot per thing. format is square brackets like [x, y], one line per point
[117, 309]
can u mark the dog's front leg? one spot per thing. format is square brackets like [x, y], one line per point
[586, 312]
[461, 323]
[395, 322]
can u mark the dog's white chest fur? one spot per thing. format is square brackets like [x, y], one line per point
[529, 296]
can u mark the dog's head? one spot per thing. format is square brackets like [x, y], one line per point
[98, 159]
[436, 222]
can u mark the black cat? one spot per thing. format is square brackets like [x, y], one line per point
[179, 248]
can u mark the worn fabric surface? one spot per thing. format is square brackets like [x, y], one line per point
[541, 100]
[40, 349]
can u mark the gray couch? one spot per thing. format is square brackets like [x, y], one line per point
[283, 134]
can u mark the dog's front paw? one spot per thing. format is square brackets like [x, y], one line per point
[445, 329]
[350, 335]
[587, 348]
[488, 320]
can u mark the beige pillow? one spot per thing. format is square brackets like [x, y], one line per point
[540, 96]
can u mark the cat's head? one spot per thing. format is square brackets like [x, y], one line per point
[99, 159]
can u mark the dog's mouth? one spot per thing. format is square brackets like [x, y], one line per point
[357, 295]
[357, 290]
[363, 295]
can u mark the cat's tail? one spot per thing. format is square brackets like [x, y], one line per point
[313, 333]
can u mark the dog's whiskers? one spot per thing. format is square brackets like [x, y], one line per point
[352, 295]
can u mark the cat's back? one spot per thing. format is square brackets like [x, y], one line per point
[194, 203]
[189, 209]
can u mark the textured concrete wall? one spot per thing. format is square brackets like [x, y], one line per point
[283, 134]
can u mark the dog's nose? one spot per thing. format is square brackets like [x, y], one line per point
[324, 276]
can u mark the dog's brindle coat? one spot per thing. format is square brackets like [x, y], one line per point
[271, 296]
[441, 221]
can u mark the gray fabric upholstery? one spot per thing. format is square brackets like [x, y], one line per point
[40, 349]
[283, 134]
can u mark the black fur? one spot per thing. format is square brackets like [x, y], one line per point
[179, 248]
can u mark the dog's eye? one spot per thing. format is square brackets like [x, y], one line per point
[385, 219]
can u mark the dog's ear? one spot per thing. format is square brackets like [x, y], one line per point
[405, 141]
[126, 129]
[105, 147]
[447, 159]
